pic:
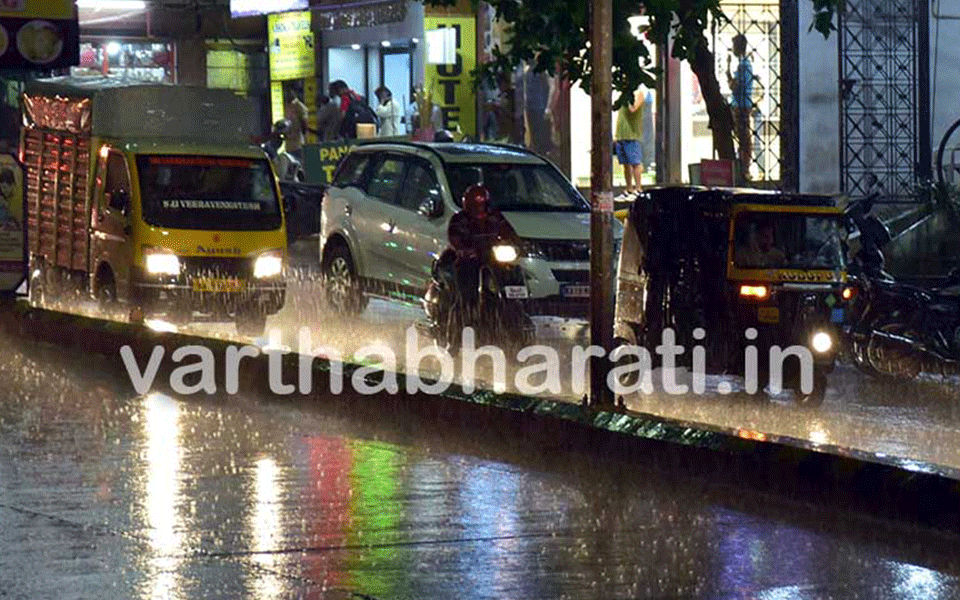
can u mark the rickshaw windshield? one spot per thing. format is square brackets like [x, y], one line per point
[766, 240]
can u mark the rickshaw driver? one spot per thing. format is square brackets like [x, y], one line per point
[763, 251]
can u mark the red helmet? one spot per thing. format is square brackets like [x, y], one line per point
[476, 200]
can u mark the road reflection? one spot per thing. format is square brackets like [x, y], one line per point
[162, 500]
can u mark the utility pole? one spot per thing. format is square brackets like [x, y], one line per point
[601, 200]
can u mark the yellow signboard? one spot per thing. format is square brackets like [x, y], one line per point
[32, 9]
[38, 33]
[451, 86]
[292, 55]
[12, 252]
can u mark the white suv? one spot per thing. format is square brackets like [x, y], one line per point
[384, 220]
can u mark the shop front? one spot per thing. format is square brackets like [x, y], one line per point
[373, 44]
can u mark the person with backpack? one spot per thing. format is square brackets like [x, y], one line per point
[354, 109]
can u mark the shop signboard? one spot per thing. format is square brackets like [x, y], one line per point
[292, 55]
[38, 34]
[13, 262]
[450, 85]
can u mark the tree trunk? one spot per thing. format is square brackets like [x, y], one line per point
[721, 118]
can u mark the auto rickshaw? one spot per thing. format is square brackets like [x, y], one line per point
[748, 267]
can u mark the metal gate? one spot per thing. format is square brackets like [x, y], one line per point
[759, 21]
[884, 98]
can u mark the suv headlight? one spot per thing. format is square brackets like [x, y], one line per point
[505, 253]
[268, 264]
[159, 261]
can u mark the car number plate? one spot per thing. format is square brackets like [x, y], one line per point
[212, 284]
[516, 292]
[768, 314]
[575, 291]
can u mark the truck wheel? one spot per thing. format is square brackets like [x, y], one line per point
[251, 322]
[37, 291]
[342, 288]
[105, 291]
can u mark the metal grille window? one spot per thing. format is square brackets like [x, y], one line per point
[759, 22]
[884, 142]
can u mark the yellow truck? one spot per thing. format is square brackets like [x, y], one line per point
[150, 198]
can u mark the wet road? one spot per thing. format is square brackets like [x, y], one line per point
[104, 494]
[917, 420]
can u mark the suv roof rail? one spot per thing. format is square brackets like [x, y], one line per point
[430, 147]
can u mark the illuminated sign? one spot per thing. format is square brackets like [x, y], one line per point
[292, 55]
[450, 85]
[249, 8]
[38, 34]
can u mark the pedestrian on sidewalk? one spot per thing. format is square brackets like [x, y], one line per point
[628, 144]
[741, 101]
[328, 119]
[295, 111]
[389, 112]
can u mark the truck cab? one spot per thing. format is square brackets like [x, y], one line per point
[186, 223]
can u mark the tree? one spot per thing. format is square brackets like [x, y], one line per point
[552, 36]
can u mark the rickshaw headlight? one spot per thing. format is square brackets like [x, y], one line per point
[760, 292]
[505, 253]
[821, 342]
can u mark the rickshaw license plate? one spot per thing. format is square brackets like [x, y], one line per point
[516, 292]
[575, 291]
[768, 314]
[210, 284]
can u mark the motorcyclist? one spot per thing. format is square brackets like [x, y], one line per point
[472, 233]
[287, 166]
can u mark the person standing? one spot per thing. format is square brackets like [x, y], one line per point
[628, 144]
[295, 111]
[328, 119]
[389, 112]
[741, 101]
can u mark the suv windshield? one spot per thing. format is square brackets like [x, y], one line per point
[788, 241]
[208, 192]
[515, 187]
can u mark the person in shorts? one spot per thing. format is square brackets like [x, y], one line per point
[628, 144]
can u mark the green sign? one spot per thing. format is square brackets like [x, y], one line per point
[320, 160]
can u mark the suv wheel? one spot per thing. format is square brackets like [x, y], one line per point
[343, 290]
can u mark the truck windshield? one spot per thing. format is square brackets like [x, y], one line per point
[208, 192]
[515, 187]
[788, 241]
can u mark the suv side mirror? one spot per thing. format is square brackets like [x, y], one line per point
[431, 207]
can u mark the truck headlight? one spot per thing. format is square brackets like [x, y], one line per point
[268, 264]
[161, 262]
[505, 253]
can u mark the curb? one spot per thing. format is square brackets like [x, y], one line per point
[884, 487]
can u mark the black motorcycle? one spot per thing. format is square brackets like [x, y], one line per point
[896, 329]
[496, 310]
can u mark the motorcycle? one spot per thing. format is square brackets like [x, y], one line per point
[898, 330]
[288, 167]
[496, 312]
